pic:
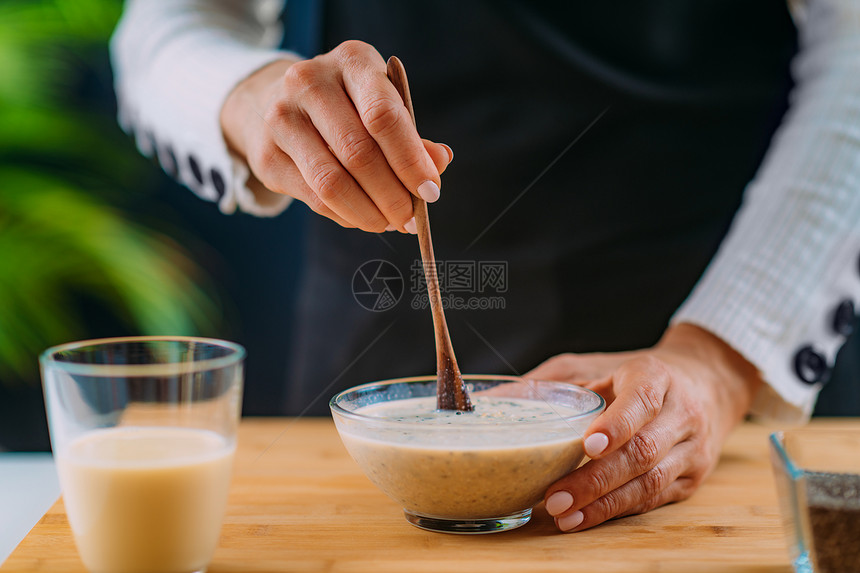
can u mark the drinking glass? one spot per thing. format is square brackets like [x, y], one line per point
[817, 472]
[143, 431]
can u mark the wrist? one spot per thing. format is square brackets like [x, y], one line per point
[245, 104]
[735, 379]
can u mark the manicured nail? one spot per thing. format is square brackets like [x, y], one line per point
[410, 226]
[595, 444]
[559, 502]
[450, 152]
[568, 522]
[390, 228]
[429, 191]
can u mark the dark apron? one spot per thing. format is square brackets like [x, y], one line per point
[601, 151]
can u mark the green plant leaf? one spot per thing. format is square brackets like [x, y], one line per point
[60, 240]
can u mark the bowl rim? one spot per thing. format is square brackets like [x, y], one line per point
[795, 468]
[341, 411]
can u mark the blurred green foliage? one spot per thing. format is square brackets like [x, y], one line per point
[66, 176]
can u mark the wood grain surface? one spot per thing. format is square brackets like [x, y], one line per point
[299, 503]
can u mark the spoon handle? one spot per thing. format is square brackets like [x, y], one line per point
[451, 393]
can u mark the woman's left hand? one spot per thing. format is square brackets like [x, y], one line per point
[669, 410]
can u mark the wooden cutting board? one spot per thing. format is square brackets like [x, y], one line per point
[299, 503]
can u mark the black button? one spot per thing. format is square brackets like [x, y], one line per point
[810, 366]
[169, 164]
[843, 318]
[195, 168]
[218, 182]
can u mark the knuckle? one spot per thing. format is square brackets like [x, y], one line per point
[644, 451]
[301, 75]
[597, 484]
[607, 507]
[280, 118]
[319, 93]
[262, 158]
[328, 182]
[380, 116]
[653, 483]
[360, 151]
[353, 50]
[651, 398]
[401, 204]
[626, 423]
[407, 162]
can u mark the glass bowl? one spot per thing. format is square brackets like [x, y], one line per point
[468, 472]
[817, 474]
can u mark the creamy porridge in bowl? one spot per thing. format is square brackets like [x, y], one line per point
[466, 472]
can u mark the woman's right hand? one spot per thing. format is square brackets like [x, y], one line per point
[334, 133]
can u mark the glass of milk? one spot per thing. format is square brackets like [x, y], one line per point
[143, 431]
[466, 472]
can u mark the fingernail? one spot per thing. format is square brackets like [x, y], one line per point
[390, 228]
[450, 152]
[595, 444]
[559, 502]
[568, 522]
[410, 226]
[429, 191]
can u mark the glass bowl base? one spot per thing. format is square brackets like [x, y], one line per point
[469, 526]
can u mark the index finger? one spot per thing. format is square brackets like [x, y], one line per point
[384, 115]
[640, 387]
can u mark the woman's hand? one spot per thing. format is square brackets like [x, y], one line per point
[334, 133]
[669, 410]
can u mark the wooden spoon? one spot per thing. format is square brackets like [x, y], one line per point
[451, 393]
